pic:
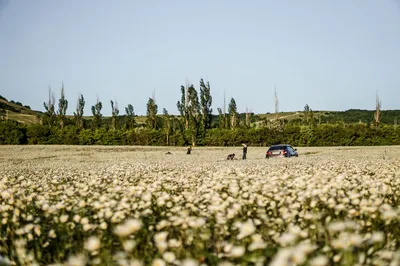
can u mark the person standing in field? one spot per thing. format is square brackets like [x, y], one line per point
[244, 151]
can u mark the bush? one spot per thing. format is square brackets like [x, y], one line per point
[12, 132]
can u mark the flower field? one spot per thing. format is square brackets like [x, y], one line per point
[74, 205]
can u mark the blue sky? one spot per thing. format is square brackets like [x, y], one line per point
[331, 55]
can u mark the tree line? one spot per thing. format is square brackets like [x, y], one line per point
[195, 125]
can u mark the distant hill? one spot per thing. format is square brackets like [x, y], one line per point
[19, 112]
[348, 117]
[23, 114]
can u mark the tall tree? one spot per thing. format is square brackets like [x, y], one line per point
[78, 115]
[194, 113]
[114, 112]
[248, 118]
[183, 105]
[233, 114]
[378, 114]
[167, 125]
[308, 115]
[152, 110]
[130, 113]
[50, 113]
[62, 107]
[206, 101]
[221, 118]
[96, 111]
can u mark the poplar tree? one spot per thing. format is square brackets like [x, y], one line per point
[78, 115]
[114, 113]
[62, 108]
[130, 113]
[96, 111]
[50, 114]
[206, 101]
[233, 115]
[152, 110]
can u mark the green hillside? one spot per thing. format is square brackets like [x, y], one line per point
[18, 112]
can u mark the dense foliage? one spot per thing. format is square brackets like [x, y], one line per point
[338, 134]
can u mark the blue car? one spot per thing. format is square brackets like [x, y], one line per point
[281, 150]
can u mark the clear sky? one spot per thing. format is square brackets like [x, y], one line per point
[331, 55]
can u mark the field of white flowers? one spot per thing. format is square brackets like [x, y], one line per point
[74, 205]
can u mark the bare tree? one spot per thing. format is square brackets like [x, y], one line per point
[377, 114]
[276, 100]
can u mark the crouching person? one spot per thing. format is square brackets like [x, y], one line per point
[231, 156]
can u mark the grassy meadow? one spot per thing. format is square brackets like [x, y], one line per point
[133, 205]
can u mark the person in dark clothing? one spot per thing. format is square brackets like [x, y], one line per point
[244, 151]
[231, 156]
[189, 150]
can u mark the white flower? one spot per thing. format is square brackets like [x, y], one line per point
[103, 225]
[169, 257]
[92, 243]
[129, 227]
[282, 258]
[237, 251]
[135, 262]
[76, 218]
[336, 226]
[377, 237]
[189, 262]
[160, 237]
[225, 263]
[158, 262]
[36, 229]
[128, 245]
[84, 220]
[174, 243]
[63, 218]
[5, 194]
[52, 234]
[246, 229]
[319, 261]
[76, 260]
[287, 239]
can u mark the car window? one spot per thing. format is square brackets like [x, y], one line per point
[274, 148]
